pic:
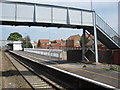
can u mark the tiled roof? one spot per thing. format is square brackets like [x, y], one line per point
[73, 36]
[44, 41]
[116, 37]
[63, 44]
[58, 41]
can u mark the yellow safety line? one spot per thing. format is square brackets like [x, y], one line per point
[41, 59]
[38, 58]
[91, 72]
[79, 69]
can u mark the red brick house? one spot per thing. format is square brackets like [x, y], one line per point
[90, 42]
[116, 39]
[43, 43]
[73, 41]
[56, 44]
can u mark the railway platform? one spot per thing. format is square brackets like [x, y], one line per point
[96, 72]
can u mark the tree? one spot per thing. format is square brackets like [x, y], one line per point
[81, 40]
[62, 40]
[15, 37]
[26, 42]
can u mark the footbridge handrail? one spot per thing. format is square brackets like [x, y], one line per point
[107, 29]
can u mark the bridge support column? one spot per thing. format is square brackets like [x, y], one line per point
[95, 37]
[84, 58]
[83, 45]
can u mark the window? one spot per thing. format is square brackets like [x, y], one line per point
[47, 43]
[77, 41]
[42, 43]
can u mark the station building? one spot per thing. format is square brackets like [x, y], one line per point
[15, 45]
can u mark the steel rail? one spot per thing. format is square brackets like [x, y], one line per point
[71, 79]
[44, 79]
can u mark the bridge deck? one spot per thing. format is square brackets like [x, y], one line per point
[14, 13]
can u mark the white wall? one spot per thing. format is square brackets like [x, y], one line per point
[47, 52]
[33, 44]
[17, 45]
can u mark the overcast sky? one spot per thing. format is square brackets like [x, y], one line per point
[108, 10]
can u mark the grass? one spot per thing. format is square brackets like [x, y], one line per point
[78, 63]
[81, 64]
[112, 68]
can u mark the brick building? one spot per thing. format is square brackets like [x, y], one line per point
[73, 41]
[56, 44]
[90, 42]
[43, 43]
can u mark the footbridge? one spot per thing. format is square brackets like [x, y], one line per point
[33, 14]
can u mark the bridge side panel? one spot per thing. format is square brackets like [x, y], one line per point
[25, 13]
[0, 11]
[75, 17]
[60, 15]
[43, 14]
[8, 12]
[87, 18]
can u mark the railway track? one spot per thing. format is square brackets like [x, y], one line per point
[57, 78]
[35, 80]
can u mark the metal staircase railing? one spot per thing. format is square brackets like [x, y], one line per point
[107, 29]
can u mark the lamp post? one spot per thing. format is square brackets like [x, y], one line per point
[91, 5]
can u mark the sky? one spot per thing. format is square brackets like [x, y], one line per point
[107, 10]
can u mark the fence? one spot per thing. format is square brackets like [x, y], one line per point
[46, 52]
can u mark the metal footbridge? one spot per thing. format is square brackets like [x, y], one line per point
[33, 14]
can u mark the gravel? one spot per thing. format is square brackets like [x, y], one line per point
[10, 76]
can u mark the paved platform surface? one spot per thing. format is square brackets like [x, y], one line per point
[94, 72]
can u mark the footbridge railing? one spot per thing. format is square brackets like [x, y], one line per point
[107, 29]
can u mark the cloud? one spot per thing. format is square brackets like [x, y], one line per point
[108, 11]
[39, 1]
